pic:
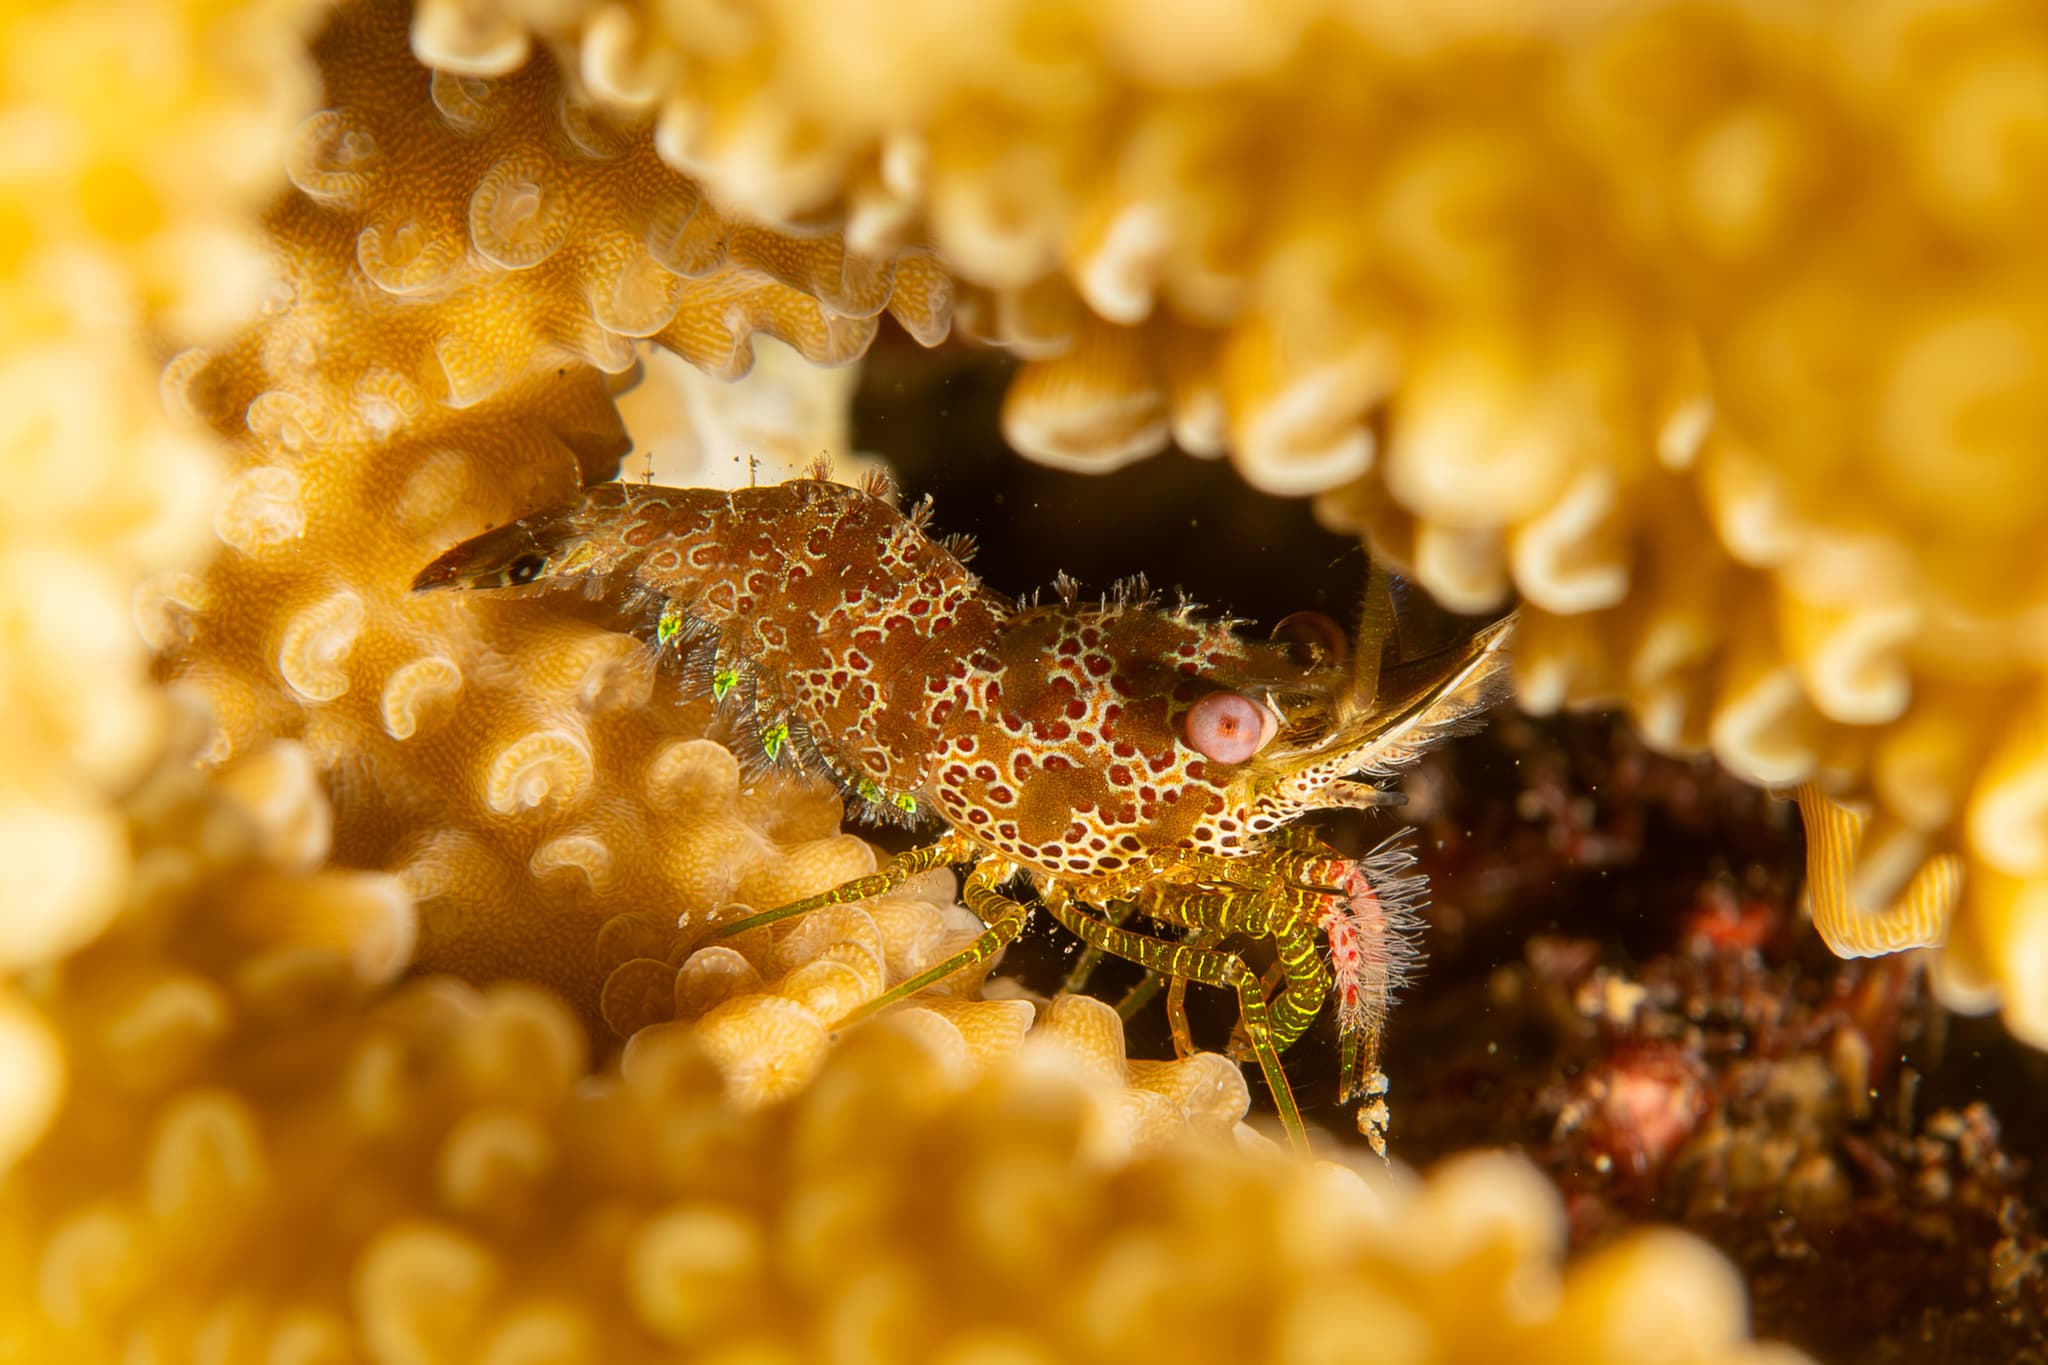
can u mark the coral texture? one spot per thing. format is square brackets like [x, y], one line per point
[1712, 330]
[227, 1133]
[948, 1187]
[141, 139]
[955, 1182]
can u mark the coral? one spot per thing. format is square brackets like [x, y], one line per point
[933, 1193]
[142, 139]
[1692, 362]
[765, 1003]
[954, 1180]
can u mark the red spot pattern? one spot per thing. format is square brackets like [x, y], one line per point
[892, 660]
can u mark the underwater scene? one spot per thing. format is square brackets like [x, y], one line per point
[766, 681]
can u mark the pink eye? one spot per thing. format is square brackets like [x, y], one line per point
[1229, 727]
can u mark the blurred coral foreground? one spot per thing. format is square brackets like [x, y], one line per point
[1717, 332]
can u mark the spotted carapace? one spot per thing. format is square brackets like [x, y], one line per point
[1140, 769]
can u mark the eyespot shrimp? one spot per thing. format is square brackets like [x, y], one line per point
[1124, 758]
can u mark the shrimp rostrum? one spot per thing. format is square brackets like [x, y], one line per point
[1138, 772]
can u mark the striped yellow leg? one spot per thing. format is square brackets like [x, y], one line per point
[1139, 996]
[1177, 1018]
[1211, 967]
[899, 870]
[1296, 856]
[1003, 916]
[1177, 1003]
[1287, 914]
[1305, 984]
[1856, 919]
[1076, 980]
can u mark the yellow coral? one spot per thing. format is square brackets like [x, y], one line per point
[919, 1197]
[499, 1200]
[141, 138]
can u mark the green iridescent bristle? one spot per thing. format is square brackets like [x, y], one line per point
[905, 802]
[723, 681]
[773, 737]
[670, 625]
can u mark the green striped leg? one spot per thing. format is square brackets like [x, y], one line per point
[1138, 996]
[1296, 856]
[897, 871]
[1255, 912]
[1269, 982]
[1211, 967]
[1307, 984]
[1286, 914]
[1004, 918]
[1177, 1000]
[1351, 1078]
[1076, 980]
[1177, 1018]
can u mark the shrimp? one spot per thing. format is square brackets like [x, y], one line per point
[1119, 761]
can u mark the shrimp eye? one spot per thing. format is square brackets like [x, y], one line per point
[526, 568]
[1229, 727]
[1313, 640]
